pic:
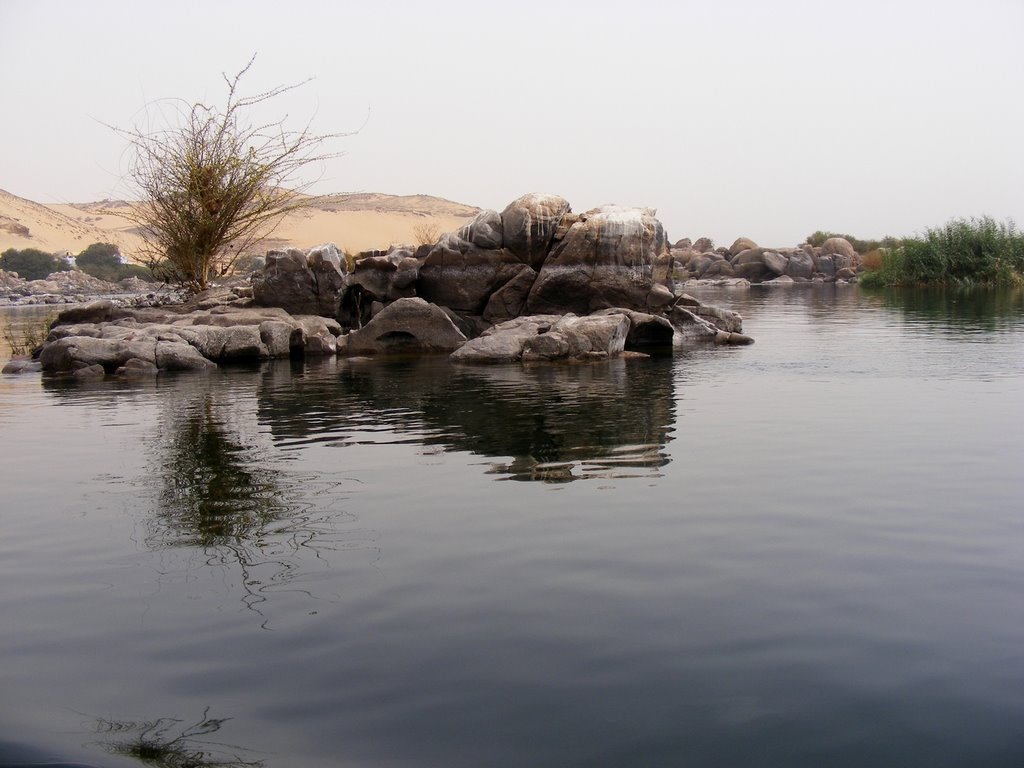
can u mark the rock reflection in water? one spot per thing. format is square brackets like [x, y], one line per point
[553, 423]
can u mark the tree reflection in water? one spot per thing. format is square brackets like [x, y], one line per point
[219, 493]
[168, 743]
[552, 423]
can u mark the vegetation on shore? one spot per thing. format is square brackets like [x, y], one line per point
[31, 263]
[100, 260]
[817, 239]
[23, 340]
[962, 252]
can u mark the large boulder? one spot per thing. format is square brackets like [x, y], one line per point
[750, 264]
[509, 301]
[301, 283]
[529, 224]
[741, 244]
[703, 245]
[328, 270]
[580, 338]
[775, 261]
[71, 353]
[838, 245]
[94, 312]
[825, 264]
[800, 264]
[605, 260]
[280, 338]
[386, 277]
[699, 263]
[484, 231]
[406, 326]
[188, 340]
[503, 343]
[719, 268]
[459, 275]
[177, 356]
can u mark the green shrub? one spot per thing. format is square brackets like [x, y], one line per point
[103, 261]
[962, 252]
[31, 263]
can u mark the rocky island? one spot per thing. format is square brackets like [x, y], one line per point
[534, 282]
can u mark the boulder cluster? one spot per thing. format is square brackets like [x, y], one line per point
[75, 287]
[535, 282]
[835, 260]
[223, 327]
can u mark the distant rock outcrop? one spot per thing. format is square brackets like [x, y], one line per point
[835, 260]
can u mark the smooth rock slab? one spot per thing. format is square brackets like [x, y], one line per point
[76, 352]
[406, 326]
[15, 367]
[503, 343]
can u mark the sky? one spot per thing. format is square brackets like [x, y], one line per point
[731, 117]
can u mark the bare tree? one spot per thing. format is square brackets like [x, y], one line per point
[211, 182]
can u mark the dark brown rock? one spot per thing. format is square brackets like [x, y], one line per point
[465, 279]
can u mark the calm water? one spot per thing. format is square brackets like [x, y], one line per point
[807, 552]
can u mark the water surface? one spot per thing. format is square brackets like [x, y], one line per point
[805, 552]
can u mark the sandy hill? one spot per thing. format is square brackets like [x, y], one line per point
[56, 228]
[354, 222]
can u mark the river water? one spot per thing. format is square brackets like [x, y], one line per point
[806, 552]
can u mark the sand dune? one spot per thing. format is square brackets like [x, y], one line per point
[58, 228]
[355, 222]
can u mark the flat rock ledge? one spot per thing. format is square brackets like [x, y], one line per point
[101, 338]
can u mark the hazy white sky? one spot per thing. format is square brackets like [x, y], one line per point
[731, 117]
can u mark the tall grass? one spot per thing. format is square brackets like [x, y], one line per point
[962, 252]
[25, 338]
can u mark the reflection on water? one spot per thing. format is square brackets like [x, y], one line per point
[958, 309]
[20, 323]
[217, 491]
[827, 572]
[553, 423]
[168, 742]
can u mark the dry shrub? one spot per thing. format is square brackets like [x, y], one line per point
[426, 233]
[872, 259]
